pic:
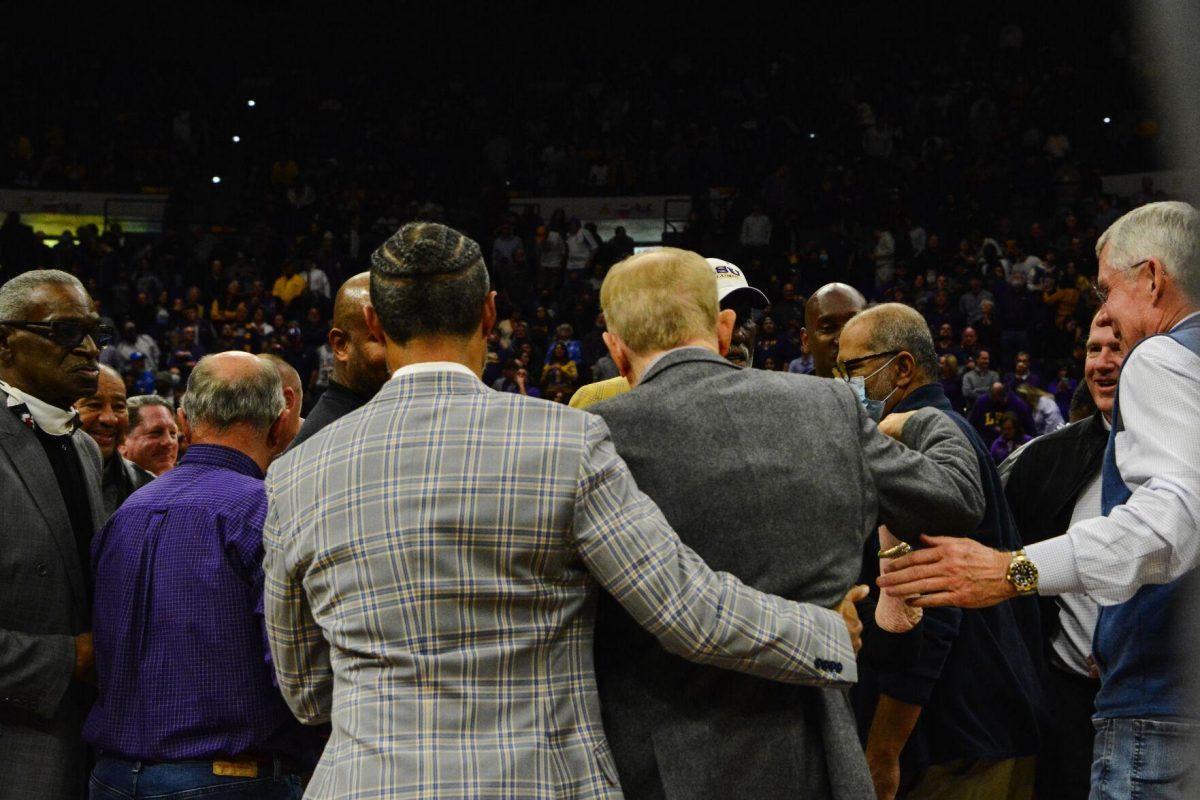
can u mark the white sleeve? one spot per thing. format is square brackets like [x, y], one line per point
[1155, 536]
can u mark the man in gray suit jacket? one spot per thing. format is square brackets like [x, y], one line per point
[778, 479]
[433, 562]
[50, 341]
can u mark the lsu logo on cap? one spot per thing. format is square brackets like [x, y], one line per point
[729, 270]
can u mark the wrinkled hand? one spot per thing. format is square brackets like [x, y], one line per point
[885, 773]
[850, 614]
[950, 571]
[893, 614]
[893, 424]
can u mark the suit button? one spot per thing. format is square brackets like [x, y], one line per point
[42, 571]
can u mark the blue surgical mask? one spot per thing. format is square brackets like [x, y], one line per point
[858, 384]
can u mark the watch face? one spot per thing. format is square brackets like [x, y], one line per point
[1024, 575]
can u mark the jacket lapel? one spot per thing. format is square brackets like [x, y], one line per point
[93, 475]
[29, 462]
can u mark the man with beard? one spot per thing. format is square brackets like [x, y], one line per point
[359, 368]
[103, 415]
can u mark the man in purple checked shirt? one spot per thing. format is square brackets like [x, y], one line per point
[187, 699]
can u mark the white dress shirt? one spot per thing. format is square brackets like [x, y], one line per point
[49, 419]
[1155, 536]
[1078, 613]
[433, 366]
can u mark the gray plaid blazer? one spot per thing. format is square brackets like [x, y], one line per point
[432, 567]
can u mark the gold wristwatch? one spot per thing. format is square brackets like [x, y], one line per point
[1022, 574]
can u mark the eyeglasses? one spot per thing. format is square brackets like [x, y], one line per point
[1102, 293]
[855, 363]
[66, 333]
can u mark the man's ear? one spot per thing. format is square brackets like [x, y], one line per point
[804, 339]
[275, 432]
[726, 323]
[374, 325]
[1157, 274]
[339, 342]
[489, 315]
[619, 355]
[289, 397]
[182, 421]
[6, 350]
[906, 369]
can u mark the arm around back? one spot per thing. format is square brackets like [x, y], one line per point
[929, 481]
[701, 615]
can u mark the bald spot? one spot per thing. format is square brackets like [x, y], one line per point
[287, 373]
[832, 299]
[351, 299]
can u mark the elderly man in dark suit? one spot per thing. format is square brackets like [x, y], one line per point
[50, 340]
[773, 477]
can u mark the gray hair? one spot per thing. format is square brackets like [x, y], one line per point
[253, 397]
[894, 326]
[14, 294]
[136, 403]
[1168, 231]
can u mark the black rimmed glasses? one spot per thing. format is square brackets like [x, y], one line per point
[66, 333]
[855, 363]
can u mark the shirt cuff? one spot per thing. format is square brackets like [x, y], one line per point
[1057, 571]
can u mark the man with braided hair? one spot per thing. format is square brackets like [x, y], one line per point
[433, 563]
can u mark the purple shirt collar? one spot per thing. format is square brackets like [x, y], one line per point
[218, 455]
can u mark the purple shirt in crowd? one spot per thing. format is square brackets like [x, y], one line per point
[182, 663]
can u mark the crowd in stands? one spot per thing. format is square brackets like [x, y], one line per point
[957, 185]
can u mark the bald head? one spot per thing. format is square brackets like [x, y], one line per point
[825, 314]
[352, 298]
[232, 389]
[360, 359]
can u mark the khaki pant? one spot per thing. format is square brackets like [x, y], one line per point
[1011, 779]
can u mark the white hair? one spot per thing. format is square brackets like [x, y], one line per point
[1168, 231]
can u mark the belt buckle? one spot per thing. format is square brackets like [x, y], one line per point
[242, 768]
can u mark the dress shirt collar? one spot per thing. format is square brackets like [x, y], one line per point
[49, 419]
[1185, 319]
[217, 455]
[690, 349]
[433, 366]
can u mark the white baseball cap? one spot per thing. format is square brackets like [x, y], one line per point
[730, 279]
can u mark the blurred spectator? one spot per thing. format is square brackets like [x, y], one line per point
[560, 374]
[988, 411]
[951, 381]
[1021, 373]
[581, 247]
[1011, 438]
[1047, 418]
[289, 286]
[978, 381]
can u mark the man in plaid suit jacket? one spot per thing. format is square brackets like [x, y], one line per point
[433, 562]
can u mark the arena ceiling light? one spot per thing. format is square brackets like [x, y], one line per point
[236, 138]
[1107, 120]
[250, 103]
[216, 179]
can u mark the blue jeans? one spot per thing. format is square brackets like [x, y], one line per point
[1145, 759]
[118, 779]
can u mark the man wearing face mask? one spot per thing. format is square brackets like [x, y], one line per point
[962, 719]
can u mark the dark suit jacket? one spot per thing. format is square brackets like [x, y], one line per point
[43, 606]
[777, 479]
[1043, 480]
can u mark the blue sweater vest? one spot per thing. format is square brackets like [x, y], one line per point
[1137, 645]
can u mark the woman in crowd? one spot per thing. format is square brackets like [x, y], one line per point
[1047, 417]
[561, 374]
